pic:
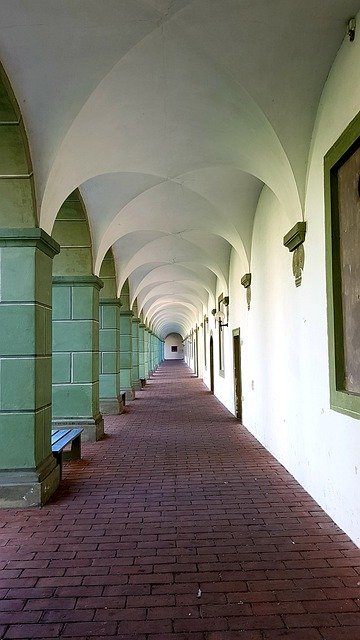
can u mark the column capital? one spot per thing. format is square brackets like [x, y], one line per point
[126, 312]
[29, 237]
[78, 281]
[110, 301]
[136, 320]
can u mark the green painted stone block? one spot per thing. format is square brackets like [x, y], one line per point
[25, 383]
[83, 370]
[43, 381]
[61, 367]
[13, 158]
[125, 325]
[72, 261]
[17, 274]
[125, 360]
[108, 386]
[16, 197]
[71, 210]
[110, 362]
[17, 436]
[108, 339]
[71, 234]
[42, 434]
[61, 303]
[125, 378]
[72, 400]
[82, 303]
[17, 335]
[43, 282]
[73, 335]
[109, 316]
[125, 343]
[17, 384]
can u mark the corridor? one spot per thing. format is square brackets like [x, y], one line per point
[177, 524]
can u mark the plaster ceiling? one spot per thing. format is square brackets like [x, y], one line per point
[170, 116]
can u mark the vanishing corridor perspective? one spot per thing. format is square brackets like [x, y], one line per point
[180, 319]
[177, 525]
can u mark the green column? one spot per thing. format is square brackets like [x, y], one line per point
[135, 377]
[146, 353]
[151, 354]
[110, 399]
[142, 375]
[28, 471]
[126, 353]
[76, 354]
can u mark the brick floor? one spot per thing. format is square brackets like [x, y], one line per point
[177, 525]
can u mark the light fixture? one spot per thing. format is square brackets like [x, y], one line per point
[219, 317]
[351, 26]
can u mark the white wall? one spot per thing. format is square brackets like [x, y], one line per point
[174, 339]
[284, 335]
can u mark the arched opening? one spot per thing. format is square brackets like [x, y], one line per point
[174, 347]
[75, 324]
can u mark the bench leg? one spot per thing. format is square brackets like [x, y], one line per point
[59, 458]
[75, 451]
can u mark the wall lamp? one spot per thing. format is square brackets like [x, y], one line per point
[220, 315]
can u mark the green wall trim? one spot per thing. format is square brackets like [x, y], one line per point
[78, 281]
[340, 399]
[29, 237]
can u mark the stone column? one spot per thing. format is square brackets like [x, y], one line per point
[135, 378]
[110, 398]
[126, 353]
[142, 375]
[76, 354]
[146, 353]
[28, 470]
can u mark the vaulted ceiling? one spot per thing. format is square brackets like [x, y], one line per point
[170, 116]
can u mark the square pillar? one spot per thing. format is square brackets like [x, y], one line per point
[76, 354]
[146, 353]
[126, 353]
[142, 375]
[110, 398]
[28, 470]
[135, 377]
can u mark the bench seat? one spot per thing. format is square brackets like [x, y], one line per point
[60, 438]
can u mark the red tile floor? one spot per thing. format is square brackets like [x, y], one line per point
[177, 525]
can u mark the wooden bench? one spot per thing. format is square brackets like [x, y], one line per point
[60, 438]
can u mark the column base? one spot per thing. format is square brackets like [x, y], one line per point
[111, 406]
[93, 427]
[130, 394]
[24, 488]
[136, 385]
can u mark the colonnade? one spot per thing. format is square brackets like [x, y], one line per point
[69, 348]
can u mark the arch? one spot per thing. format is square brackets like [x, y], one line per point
[17, 194]
[71, 231]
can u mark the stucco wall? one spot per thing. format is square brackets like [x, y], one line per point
[174, 339]
[284, 335]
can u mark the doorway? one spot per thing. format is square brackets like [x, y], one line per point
[211, 364]
[237, 374]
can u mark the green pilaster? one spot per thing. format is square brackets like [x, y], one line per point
[28, 471]
[135, 376]
[146, 353]
[126, 353]
[142, 375]
[76, 354]
[110, 398]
